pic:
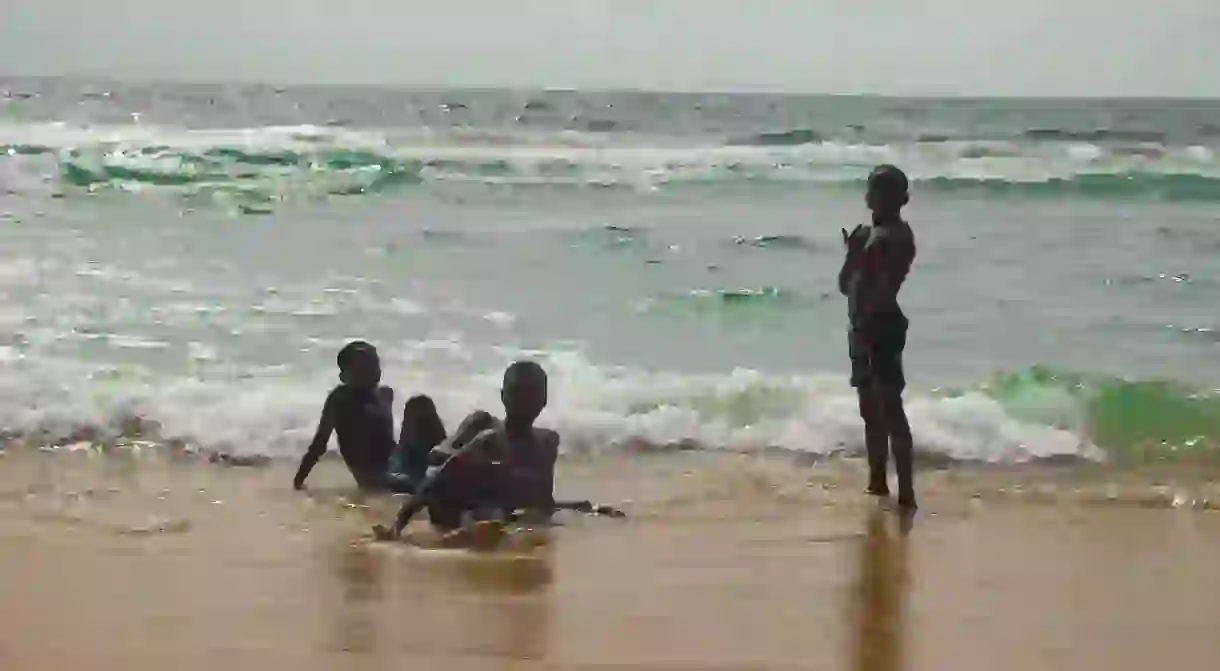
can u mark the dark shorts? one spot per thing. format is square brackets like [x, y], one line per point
[401, 483]
[876, 355]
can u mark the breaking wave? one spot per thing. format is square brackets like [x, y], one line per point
[270, 164]
[1030, 415]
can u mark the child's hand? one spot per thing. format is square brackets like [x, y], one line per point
[384, 533]
[855, 240]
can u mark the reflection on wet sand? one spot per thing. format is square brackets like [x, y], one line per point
[517, 627]
[879, 601]
[387, 601]
[361, 587]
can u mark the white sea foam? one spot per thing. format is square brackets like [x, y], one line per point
[272, 412]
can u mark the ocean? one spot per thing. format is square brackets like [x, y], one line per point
[181, 263]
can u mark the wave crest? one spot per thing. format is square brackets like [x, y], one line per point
[280, 163]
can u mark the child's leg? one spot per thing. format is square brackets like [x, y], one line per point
[902, 445]
[889, 381]
[400, 483]
[876, 439]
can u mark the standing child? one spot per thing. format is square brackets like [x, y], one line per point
[877, 262]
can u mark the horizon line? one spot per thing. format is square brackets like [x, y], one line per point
[534, 88]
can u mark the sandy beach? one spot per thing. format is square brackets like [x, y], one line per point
[141, 562]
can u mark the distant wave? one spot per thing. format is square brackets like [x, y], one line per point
[1159, 186]
[1097, 135]
[784, 138]
[787, 242]
[273, 164]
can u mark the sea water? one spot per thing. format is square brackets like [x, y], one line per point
[184, 261]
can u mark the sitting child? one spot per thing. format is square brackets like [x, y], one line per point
[492, 465]
[359, 411]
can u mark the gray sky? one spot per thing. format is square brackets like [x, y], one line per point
[967, 47]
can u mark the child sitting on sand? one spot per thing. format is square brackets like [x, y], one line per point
[492, 467]
[359, 412]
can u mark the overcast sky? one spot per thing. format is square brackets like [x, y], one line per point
[966, 47]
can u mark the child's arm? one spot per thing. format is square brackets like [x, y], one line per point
[326, 425]
[409, 509]
[854, 242]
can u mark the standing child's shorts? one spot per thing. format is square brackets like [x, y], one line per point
[876, 353]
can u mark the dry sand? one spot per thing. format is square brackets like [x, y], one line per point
[144, 563]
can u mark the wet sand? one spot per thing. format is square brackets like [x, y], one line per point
[140, 563]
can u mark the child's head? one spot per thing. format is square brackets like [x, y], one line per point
[421, 423]
[359, 365]
[524, 391]
[888, 190]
